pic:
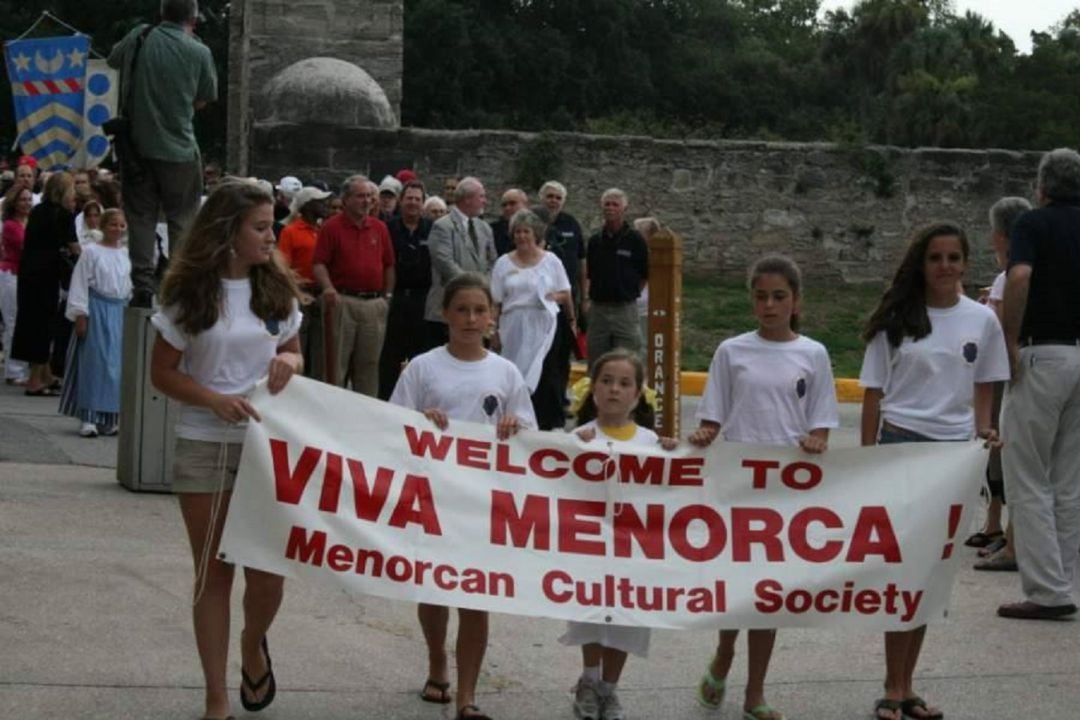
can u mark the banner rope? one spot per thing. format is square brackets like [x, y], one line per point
[46, 15]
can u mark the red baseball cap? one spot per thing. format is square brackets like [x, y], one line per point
[27, 160]
[405, 176]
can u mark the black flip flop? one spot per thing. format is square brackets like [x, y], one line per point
[254, 687]
[44, 391]
[982, 539]
[442, 688]
[909, 706]
[462, 716]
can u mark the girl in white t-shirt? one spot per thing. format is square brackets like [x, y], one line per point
[463, 381]
[771, 386]
[615, 410]
[932, 358]
[229, 317]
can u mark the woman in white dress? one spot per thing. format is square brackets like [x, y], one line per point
[530, 286]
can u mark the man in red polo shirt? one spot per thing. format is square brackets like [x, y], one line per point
[354, 266]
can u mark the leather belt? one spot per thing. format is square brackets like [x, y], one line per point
[1029, 341]
[361, 295]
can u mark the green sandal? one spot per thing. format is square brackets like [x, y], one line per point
[761, 712]
[715, 688]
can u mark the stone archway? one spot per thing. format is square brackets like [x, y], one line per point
[289, 61]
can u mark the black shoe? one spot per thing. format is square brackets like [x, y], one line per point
[142, 299]
[1028, 610]
[257, 685]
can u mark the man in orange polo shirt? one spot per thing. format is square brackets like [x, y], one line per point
[354, 266]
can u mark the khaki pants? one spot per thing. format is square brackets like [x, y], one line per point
[359, 326]
[613, 325]
[1040, 425]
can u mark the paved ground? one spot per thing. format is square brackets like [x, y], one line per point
[95, 585]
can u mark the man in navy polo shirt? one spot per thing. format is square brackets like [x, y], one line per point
[1041, 421]
[354, 266]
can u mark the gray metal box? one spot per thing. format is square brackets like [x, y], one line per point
[145, 447]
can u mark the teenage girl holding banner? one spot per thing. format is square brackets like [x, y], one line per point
[771, 386]
[932, 358]
[230, 317]
[615, 410]
[461, 380]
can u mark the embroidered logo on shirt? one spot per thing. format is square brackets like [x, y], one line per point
[971, 351]
[491, 404]
[623, 253]
[800, 387]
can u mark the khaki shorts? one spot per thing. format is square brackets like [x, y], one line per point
[197, 466]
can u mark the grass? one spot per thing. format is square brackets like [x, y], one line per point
[715, 309]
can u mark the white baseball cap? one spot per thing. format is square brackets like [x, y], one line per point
[289, 185]
[305, 196]
[390, 184]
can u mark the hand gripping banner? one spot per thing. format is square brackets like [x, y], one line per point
[47, 78]
[340, 488]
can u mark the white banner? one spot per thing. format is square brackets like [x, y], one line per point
[337, 487]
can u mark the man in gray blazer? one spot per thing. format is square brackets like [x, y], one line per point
[459, 242]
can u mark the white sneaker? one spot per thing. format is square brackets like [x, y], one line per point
[88, 430]
[111, 430]
[612, 708]
[586, 700]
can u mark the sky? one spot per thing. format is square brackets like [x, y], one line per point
[1016, 18]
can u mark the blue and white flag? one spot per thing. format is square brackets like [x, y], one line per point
[47, 78]
[102, 85]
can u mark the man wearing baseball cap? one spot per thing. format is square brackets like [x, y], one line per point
[389, 189]
[284, 191]
[297, 247]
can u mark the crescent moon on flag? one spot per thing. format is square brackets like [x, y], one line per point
[49, 67]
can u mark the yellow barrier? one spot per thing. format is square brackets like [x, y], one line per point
[848, 390]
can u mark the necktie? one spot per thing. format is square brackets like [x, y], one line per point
[472, 236]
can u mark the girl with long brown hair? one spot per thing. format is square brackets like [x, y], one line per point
[932, 358]
[229, 317]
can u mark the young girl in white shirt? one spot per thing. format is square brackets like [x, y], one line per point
[615, 410]
[461, 380]
[99, 291]
[932, 358]
[771, 386]
[230, 316]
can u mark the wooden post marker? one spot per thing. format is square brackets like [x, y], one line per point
[662, 346]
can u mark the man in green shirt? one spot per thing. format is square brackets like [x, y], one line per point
[166, 74]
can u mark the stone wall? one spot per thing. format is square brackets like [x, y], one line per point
[844, 214]
[267, 36]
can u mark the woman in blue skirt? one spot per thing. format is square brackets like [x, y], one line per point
[100, 288]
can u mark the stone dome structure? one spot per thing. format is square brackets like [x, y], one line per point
[327, 91]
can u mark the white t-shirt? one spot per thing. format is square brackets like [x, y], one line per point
[997, 289]
[106, 270]
[929, 385]
[769, 392]
[642, 435]
[228, 358]
[481, 391]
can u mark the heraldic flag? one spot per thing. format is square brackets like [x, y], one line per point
[47, 77]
